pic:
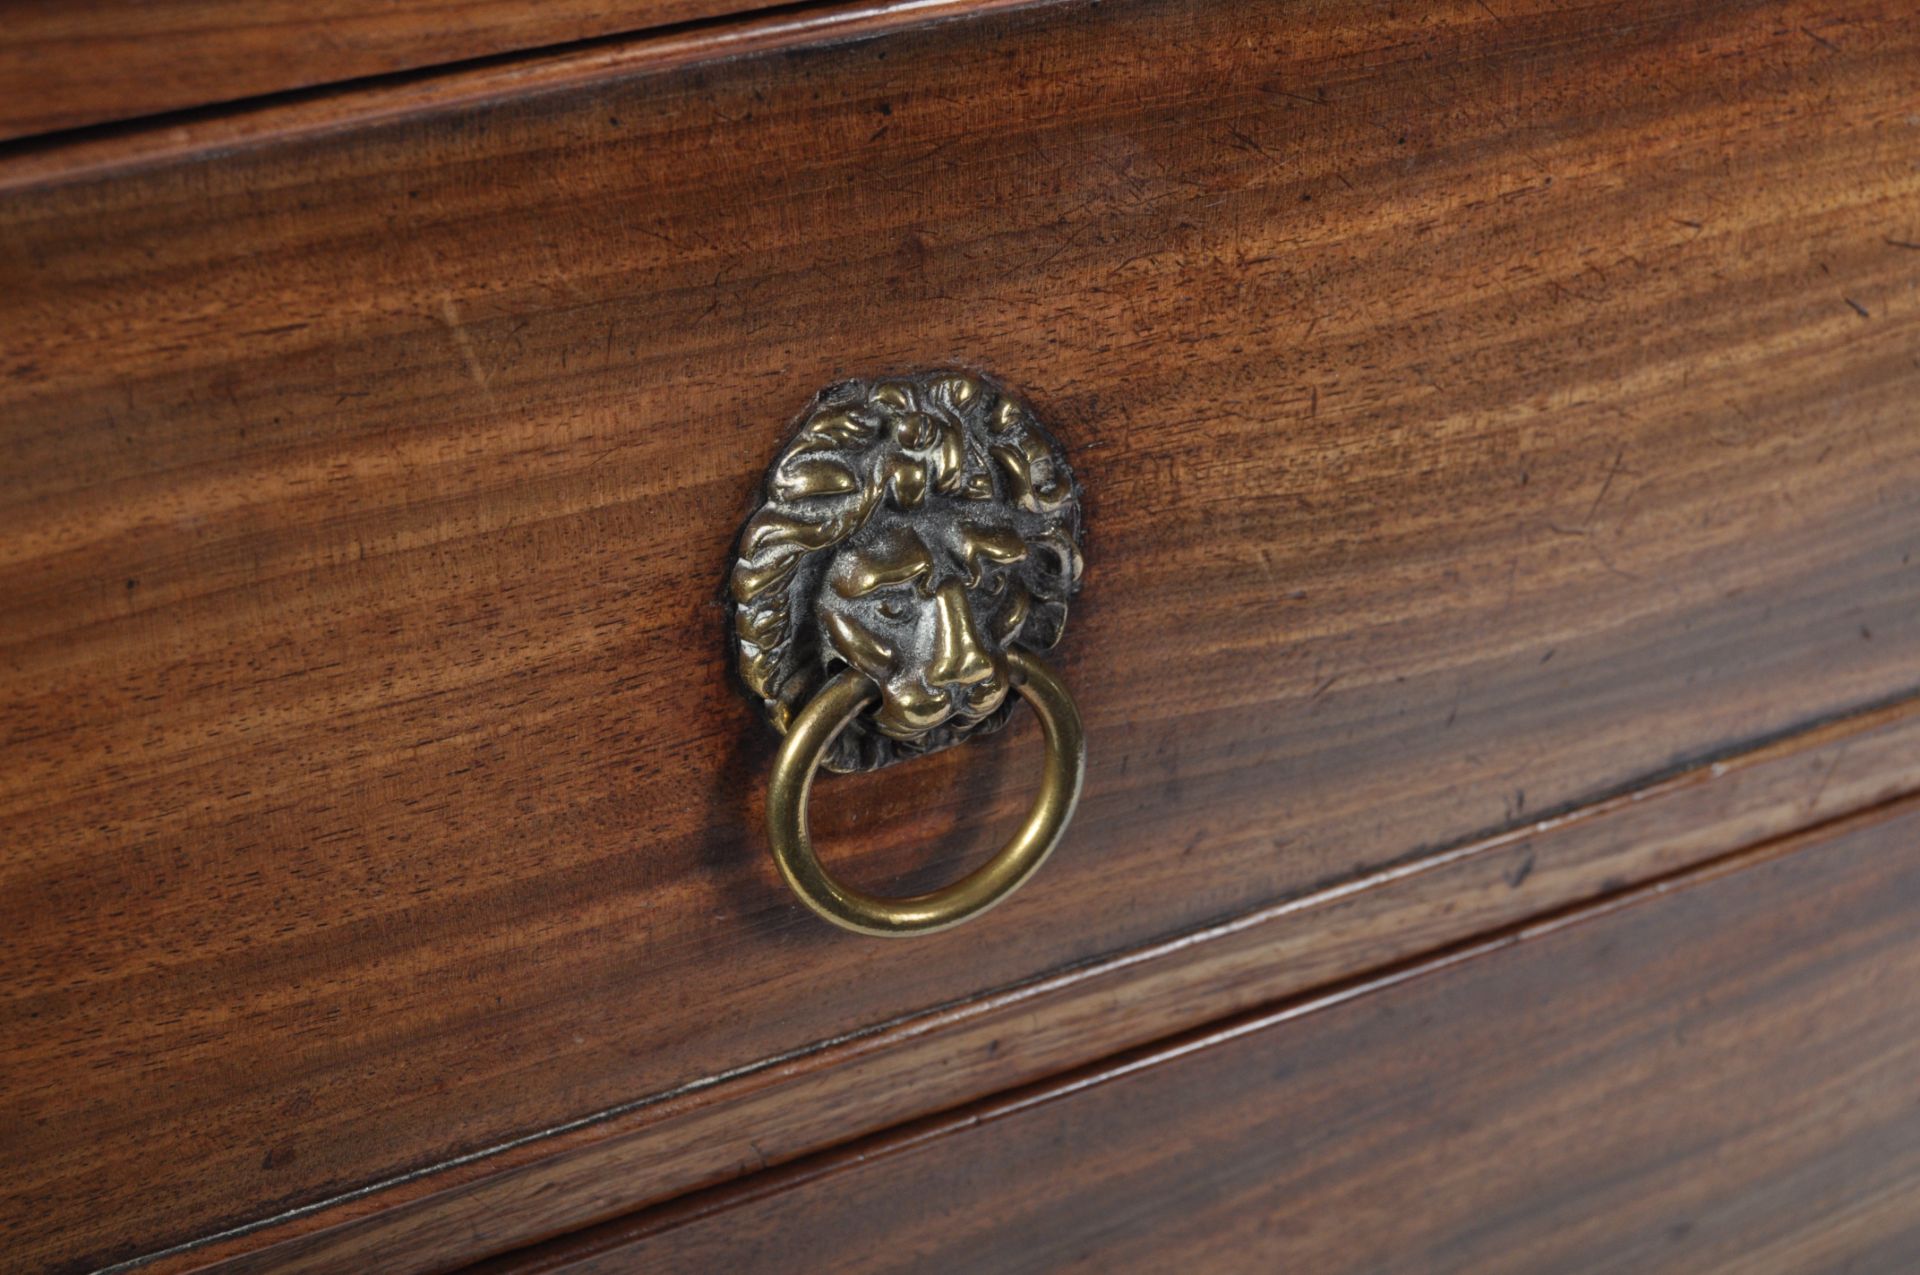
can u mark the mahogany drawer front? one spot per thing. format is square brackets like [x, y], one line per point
[1717, 1076]
[1478, 418]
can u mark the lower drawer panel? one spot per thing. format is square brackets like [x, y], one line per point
[1714, 1075]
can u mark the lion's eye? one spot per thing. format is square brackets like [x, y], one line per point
[895, 609]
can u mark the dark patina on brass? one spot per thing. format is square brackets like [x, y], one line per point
[913, 530]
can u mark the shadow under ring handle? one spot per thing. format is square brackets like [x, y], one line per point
[826, 715]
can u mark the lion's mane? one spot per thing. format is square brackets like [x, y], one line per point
[954, 435]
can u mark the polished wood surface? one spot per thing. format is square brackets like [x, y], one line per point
[1479, 417]
[68, 63]
[1717, 1075]
[952, 1054]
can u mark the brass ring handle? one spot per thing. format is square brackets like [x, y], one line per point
[813, 731]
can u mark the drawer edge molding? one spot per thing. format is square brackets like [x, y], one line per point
[39, 162]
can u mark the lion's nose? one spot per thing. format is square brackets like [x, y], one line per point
[960, 656]
[910, 711]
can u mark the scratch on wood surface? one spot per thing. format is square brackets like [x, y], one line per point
[1613, 471]
[450, 313]
[1820, 40]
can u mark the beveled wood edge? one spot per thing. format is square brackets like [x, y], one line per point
[563, 1252]
[781, 1109]
[54, 159]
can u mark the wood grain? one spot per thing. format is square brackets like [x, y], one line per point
[956, 1053]
[68, 63]
[1713, 1076]
[1478, 418]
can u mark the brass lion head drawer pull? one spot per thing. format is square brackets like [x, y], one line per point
[918, 543]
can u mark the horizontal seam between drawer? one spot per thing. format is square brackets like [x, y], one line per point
[45, 160]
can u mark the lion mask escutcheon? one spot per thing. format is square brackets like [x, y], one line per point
[912, 530]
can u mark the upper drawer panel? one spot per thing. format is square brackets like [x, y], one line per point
[1476, 416]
